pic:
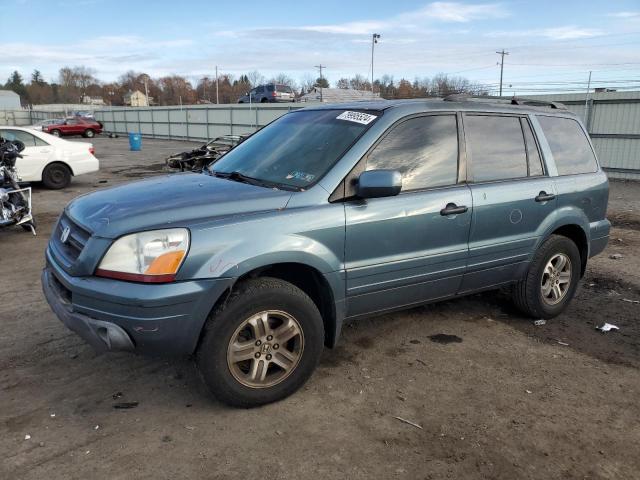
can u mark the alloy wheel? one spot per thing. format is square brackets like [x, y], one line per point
[265, 349]
[556, 279]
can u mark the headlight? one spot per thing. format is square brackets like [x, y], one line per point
[152, 256]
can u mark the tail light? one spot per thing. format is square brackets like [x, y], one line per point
[92, 150]
[274, 94]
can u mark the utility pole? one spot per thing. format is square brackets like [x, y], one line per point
[146, 89]
[374, 40]
[217, 96]
[502, 54]
[586, 100]
[320, 67]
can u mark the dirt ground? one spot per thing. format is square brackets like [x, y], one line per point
[509, 401]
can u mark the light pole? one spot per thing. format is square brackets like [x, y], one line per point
[374, 40]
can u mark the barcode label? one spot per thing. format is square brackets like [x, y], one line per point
[358, 117]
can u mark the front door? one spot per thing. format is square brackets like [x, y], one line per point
[410, 248]
[512, 197]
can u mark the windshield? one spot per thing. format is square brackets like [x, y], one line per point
[297, 149]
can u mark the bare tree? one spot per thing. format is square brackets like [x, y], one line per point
[255, 78]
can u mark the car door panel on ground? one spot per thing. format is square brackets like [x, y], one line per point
[405, 250]
[511, 198]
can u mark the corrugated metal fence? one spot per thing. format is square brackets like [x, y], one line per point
[613, 122]
[612, 119]
[193, 122]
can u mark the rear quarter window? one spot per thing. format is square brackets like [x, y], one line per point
[569, 145]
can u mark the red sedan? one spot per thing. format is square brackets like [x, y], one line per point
[86, 127]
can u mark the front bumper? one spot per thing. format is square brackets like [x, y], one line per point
[110, 315]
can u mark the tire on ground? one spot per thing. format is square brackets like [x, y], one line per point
[527, 293]
[247, 299]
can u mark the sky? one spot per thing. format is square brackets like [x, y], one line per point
[552, 45]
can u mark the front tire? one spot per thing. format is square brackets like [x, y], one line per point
[552, 279]
[89, 133]
[262, 344]
[56, 176]
[56, 133]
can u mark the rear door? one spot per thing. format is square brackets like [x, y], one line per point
[410, 248]
[512, 196]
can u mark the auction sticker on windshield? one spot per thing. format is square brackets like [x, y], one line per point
[358, 117]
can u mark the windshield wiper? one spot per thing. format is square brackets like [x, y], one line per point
[241, 177]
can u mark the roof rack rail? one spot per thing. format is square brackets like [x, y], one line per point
[537, 103]
[460, 97]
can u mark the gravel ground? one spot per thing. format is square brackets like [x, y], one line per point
[510, 400]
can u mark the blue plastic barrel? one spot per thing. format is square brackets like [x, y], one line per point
[135, 142]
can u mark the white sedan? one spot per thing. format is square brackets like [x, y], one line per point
[50, 160]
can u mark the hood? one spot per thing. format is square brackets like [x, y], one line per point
[168, 201]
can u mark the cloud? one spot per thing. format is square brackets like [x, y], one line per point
[432, 13]
[624, 15]
[460, 12]
[555, 33]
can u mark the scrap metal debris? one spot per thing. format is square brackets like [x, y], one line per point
[408, 422]
[607, 327]
[629, 300]
[615, 256]
[195, 160]
[539, 323]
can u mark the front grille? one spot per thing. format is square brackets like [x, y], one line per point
[69, 250]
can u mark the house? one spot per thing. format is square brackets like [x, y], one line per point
[338, 95]
[86, 99]
[9, 100]
[137, 99]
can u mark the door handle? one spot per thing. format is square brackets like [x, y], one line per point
[453, 209]
[544, 196]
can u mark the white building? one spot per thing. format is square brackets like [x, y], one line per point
[9, 100]
[338, 95]
[137, 99]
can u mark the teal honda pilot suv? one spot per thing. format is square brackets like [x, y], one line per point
[328, 214]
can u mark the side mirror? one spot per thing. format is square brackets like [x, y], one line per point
[379, 183]
[20, 146]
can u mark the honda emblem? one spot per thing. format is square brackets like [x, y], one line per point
[65, 234]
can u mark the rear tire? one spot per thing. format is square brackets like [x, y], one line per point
[56, 176]
[89, 133]
[552, 279]
[240, 354]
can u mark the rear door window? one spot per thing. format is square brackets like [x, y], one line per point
[496, 147]
[26, 138]
[423, 149]
[569, 145]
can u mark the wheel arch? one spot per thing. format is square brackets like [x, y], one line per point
[308, 279]
[61, 162]
[577, 235]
